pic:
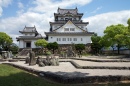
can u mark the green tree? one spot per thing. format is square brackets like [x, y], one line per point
[79, 48]
[5, 41]
[42, 43]
[52, 46]
[14, 48]
[115, 35]
[127, 35]
[95, 43]
[104, 43]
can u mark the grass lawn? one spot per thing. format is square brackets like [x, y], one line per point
[10, 76]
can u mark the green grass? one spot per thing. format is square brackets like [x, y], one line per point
[10, 76]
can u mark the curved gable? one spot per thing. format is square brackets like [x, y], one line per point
[69, 27]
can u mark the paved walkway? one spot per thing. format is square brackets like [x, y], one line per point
[67, 69]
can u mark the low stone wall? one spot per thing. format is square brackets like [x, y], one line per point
[96, 67]
[93, 60]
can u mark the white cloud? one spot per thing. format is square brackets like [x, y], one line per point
[1, 10]
[4, 3]
[98, 8]
[98, 23]
[20, 5]
[51, 6]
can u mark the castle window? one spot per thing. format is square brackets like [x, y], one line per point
[74, 19]
[75, 39]
[70, 18]
[62, 19]
[72, 29]
[63, 39]
[81, 39]
[59, 39]
[66, 19]
[70, 39]
[66, 29]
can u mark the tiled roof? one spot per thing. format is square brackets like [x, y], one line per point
[63, 22]
[39, 36]
[29, 29]
[64, 11]
[70, 33]
[30, 37]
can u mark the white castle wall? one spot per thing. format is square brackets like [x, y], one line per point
[80, 39]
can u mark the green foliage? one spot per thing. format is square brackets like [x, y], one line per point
[104, 43]
[79, 47]
[48, 53]
[127, 35]
[52, 46]
[96, 46]
[5, 41]
[14, 48]
[95, 38]
[128, 22]
[115, 35]
[41, 43]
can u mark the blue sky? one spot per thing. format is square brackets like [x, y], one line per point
[15, 14]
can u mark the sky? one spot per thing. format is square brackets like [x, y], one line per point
[15, 14]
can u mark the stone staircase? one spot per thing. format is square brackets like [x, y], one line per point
[24, 52]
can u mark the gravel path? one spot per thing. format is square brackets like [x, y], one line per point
[67, 69]
[108, 64]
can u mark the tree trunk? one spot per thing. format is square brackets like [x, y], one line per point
[113, 50]
[53, 51]
[118, 46]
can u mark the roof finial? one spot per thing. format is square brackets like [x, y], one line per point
[58, 9]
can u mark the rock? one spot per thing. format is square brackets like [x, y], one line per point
[39, 59]
[41, 64]
[27, 60]
[45, 62]
[32, 60]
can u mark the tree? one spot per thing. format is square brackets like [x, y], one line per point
[14, 48]
[79, 48]
[104, 43]
[5, 41]
[52, 46]
[41, 43]
[115, 35]
[127, 35]
[95, 43]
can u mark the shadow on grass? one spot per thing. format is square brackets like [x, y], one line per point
[23, 79]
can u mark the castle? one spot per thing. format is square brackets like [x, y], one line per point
[67, 28]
